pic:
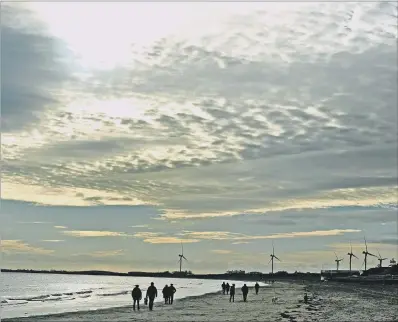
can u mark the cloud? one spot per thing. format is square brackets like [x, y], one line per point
[222, 235]
[169, 240]
[53, 240]
[221, 251]
[146, 234]
[281, 127]
[33, 69]
[159, 238]
[66, 196]
[60, 227]
[19, 246]
[93, 233]
[147, 237]
[34, 222]
[100, 254]
[219, 125]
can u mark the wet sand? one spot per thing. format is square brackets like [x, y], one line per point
[328, 302]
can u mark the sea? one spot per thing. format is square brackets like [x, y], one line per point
[25, 294]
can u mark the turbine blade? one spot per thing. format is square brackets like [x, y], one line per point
[351, 247]
[185, 258]
[273, 248]
[270, 260]
[182, 249]
[378, 253]
[355, 256]
[277, 258]
[335, 255]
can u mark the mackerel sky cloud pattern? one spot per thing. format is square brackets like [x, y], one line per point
[137, 123]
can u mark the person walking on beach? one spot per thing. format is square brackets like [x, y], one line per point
[172, 290]
[151, 293]
[165, 292]
[256, 287]
[245, 290]
[223, 287]
[232, 293]
[136, 294]
[227, 288]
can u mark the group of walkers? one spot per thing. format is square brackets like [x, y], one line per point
[151, 294]
[168, 294]
[227, 289]
[169, 291]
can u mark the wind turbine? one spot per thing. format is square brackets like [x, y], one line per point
[181, 256]
[272, 258]
[337, 260]
[351, 254]
[366, 253]
[380, 259]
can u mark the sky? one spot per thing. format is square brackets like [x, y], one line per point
[130, 128]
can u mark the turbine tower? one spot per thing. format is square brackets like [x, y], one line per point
[351, 254]
[380, 259]
[337, 260]
[366, 253]
[272, 259]
[181, 257]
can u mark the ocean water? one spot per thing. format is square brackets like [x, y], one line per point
[40, 294]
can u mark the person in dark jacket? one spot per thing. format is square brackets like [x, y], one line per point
[172, 290]
[245, 290]
[223, 287]
[227, 288]
[136, 294]
[256, 287]
[166, 292]
[151, 294]
[232, 293]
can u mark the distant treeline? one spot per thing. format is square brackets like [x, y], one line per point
[238, 275]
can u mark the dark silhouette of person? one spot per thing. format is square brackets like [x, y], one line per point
[256, 287]
[305, 298]
[245, 290]
[227, 288]
[223, 287]
[151, 293]
[136, 294]
[172, 290]
[232, 293]
[165, 292]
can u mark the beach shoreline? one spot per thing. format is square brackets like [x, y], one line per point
[328, 302]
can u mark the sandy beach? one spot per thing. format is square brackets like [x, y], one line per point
[328, 302]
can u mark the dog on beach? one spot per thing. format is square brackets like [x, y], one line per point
[274, 299]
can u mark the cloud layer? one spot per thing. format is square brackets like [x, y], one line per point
[204, 118]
